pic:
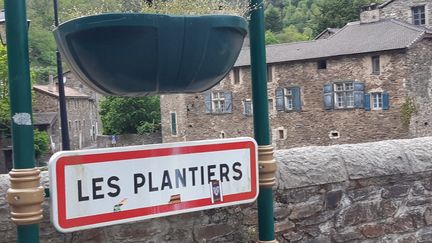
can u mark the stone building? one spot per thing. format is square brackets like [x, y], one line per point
[82, 113]
[369, 81]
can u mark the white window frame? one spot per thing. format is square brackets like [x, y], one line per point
[346, 92]
[376, 100]
[289, 99]
[218, 102]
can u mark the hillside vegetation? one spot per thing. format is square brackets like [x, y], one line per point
[286, 21]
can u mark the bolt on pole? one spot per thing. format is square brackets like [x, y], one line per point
[261, 122]
[25, 195]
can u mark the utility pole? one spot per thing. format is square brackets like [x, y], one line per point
[61, 90]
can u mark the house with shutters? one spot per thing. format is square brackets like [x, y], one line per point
[370, 80]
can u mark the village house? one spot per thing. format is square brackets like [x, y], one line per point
[370, 80]
[82, 112]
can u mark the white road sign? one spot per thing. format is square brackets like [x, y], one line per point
[94, 188]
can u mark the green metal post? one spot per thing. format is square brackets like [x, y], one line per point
[261, 119]
[20, 98]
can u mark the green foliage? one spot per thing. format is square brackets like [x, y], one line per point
[123, 115]
[273, 20]
[291, 34]
[270, 38]
[336, 13]
[41, 142]
[407, 110]
[4, 91]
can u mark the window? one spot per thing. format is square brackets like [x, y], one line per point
[288, 99]
[222, 134]
[270, 104]
[173, 124]
[236, 75]
[218, 102]
[269, 73]
[247, 107]
[418, 15]
[281, 133]
[375, 65]
[342, 95]
[376, 101]
[322, 64]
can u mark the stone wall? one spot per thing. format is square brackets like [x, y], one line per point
[375, 192]
[401, 9]
[105, 141]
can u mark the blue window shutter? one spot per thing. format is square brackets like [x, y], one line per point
[228, 102]
[173, 124]
[367, 102]
[208, 102]
[386, 101]
[296, 98]
[280, 99]
[328, 96]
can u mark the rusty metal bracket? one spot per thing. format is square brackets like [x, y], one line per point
[267, 166]
[25, 196]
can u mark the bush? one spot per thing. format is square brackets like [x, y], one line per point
[41, 142]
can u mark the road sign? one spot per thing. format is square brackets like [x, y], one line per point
[101, 187]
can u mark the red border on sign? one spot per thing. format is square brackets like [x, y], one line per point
[141, 212]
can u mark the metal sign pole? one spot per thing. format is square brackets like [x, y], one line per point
[25, 195]
[267, 164]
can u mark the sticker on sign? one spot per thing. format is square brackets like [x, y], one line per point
[101, 187]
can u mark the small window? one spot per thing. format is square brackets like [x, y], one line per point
[236, 74]
[418, 15]
[334, 135]
[218, 102]
[322, 64]
[377, 101]
[281, 134]
[222, 134]
[269, 73]
[247, 108]
[288, 99]
[173, 124]
[270, 104]
[375, 65]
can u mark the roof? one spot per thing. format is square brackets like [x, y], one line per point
[69, 92]
[44, 118]
[329, 31]
[354, 38]
[382, 5]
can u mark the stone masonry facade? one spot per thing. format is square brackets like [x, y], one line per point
[402, 9]
[405, 74]
[373, 192]
[402, 75]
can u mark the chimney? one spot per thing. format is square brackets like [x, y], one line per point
[370, 13]
[51, 84]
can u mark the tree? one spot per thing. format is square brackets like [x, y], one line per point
[273, 20]
[337, 13]
[41, 139]
[123, 115]
[270, 38]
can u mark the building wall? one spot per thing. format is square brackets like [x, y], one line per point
[82, 117]
[401, 9]
[313, 124]
[419, 86]
[376, 192]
